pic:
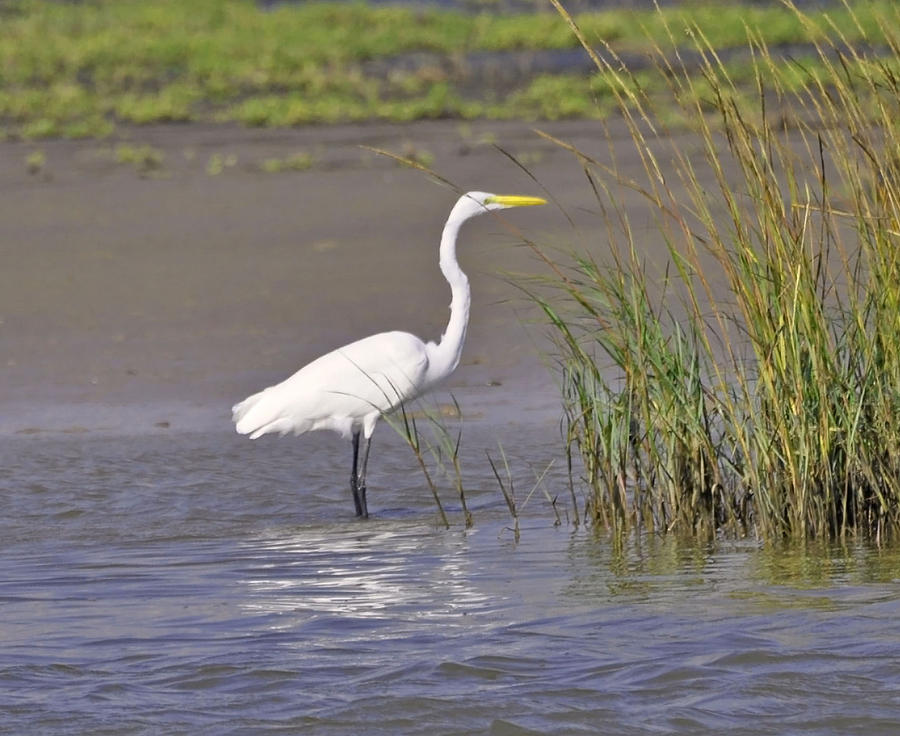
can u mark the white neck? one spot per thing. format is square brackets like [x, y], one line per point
[444, 356]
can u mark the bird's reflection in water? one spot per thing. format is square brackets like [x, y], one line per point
[401, 573]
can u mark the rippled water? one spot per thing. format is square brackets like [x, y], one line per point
[199, 583]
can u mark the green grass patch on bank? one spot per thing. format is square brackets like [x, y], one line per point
[78, 69]
[750, 382]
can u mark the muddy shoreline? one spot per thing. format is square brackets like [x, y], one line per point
[138, 299]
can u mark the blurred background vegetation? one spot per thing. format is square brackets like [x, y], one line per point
[80, 69]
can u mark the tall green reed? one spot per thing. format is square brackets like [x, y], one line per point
[753, 385]
[441, 444]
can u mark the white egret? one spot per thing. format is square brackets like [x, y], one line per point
[348, 389]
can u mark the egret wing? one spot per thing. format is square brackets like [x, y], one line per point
[342, 388]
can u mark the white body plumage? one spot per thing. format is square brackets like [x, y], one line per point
[346, 390]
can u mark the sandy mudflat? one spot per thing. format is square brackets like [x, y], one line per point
[130, 300]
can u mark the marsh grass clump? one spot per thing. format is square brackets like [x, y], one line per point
[36, 163]
[217, 163]
[751, 383]
[144, 158]
[300, 161]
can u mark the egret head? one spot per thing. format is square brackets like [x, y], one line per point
[477, 203]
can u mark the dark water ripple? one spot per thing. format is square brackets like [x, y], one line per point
[179, 583]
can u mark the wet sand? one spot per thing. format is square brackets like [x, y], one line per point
[148, 301]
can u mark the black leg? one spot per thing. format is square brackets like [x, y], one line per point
[361, 479]
[354, 478]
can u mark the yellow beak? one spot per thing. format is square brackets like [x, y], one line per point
[514, 200]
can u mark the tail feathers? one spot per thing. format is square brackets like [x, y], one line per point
[255, 416]
[245, 419]
[283, 426]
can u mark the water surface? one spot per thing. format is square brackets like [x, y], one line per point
[195, 582]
